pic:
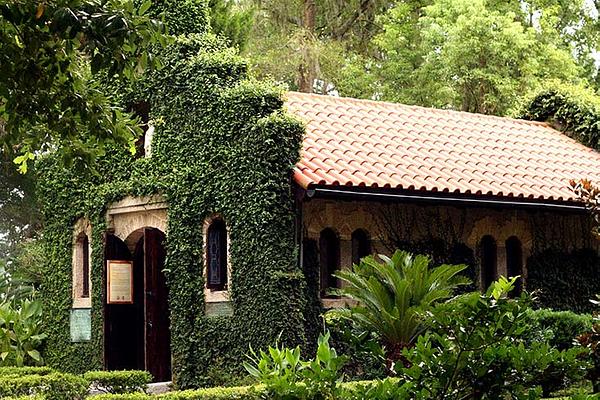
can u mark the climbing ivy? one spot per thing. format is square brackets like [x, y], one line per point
[572, 110]
[222, 145]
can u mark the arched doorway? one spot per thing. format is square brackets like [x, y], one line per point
[137, 335]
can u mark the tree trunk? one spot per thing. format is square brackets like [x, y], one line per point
[307, 68]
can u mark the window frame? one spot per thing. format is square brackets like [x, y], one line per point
[326, 267]
[216, 294]
[82, 265]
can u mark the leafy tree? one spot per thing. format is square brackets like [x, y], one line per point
[306, 43]
[230, 20]
[50, 53]
[466, 55]
[393, 296]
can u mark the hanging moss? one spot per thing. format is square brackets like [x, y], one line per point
[222, 145]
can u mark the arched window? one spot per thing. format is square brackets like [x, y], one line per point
[82, 264]
[361, 245]
[216, 255]
[488, 255]
[514, 261]
[83, 255]
[329, 259]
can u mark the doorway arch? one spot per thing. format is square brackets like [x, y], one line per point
[137, 335]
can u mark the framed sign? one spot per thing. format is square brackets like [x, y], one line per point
[81, 325]
[120, 282]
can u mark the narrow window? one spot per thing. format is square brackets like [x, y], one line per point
[488, 254]
[217, 255]
[514, 261]
[329, 255]
[361, 245]
[83, 243]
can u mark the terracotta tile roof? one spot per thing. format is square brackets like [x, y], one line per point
[352, 142]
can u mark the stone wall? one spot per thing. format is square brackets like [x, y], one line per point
[390, 223]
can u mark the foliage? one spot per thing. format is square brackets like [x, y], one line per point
[282, 42]
[55, 386]
[49, 54]
[21, 333]
[20, 217]
[574, 110]
[119, 381]
[21, 371]
[286, 376]
[591, 341]
[366, 356]
[572, 274]
[559, 328]
[229, 20]
[392, 295]
[477, 333]
[474, 56]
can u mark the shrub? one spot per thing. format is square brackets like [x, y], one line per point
[392, 295]
[286, 376]
[217, 393]
[366, 356]
[478, 333]
[22, 371]
[20, 333]
[560, 328]
[591, 341]
[119, 381]
[564, 280]
[55, 386]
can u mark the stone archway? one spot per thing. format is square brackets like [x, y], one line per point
[137, 335]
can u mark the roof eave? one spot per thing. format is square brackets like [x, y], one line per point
[400, 195]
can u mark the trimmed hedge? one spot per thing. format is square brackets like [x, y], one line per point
[232, 393]
[55, 386]
[22, 371]
[561, 327]
[119, 381]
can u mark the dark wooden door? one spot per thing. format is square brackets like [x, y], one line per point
[123, 323]
[158, 337]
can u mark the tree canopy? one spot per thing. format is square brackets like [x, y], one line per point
[50, 55]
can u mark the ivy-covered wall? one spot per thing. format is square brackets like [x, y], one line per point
[222, 145]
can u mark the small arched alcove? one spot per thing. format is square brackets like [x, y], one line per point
[514, 261]
[488, 254]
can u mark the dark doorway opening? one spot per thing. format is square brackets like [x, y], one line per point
[137, 335]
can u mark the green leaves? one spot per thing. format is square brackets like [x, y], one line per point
[475, 334]
[20, 336]
[394, 295]
[50, 99]
[287, 376]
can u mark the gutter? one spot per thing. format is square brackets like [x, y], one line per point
[429, 197]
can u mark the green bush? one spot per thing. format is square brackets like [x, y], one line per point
[119, 381]
[478, 333]
[286, 376]
[22, 371]
[217, 393]
[388, 389]
[55, 386]
[20, 333]
[393, 294]
[560, 328]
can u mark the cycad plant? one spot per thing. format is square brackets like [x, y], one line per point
[394, 294]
